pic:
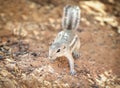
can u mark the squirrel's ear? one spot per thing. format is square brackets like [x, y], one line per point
[63, 46]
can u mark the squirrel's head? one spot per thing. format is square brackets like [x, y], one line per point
[56, 50]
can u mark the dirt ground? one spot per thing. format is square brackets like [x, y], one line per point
[28, 27]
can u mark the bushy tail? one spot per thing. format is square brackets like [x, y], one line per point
[71, 17]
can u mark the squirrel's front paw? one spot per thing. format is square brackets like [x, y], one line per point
[72, 72]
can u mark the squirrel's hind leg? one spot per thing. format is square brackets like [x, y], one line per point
[76, 52]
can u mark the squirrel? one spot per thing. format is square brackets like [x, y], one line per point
[67, 42]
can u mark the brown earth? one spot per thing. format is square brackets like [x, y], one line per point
[28, 27]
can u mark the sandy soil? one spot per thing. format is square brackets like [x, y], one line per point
[27, 29]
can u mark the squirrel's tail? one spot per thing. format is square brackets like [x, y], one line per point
[71, 17]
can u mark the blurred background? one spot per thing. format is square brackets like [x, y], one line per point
[28, 27]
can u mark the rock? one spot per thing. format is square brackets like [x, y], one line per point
[1, 57]
[47, 84]
[4, 73]
[11, 66]
[7, 83]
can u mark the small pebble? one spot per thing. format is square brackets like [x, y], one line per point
[1, 57]
[34, 54]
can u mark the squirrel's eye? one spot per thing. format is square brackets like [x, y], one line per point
[58, 50]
